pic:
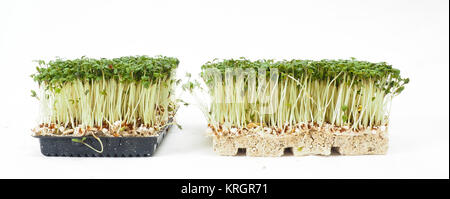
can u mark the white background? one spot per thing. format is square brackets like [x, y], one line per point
[413, 36]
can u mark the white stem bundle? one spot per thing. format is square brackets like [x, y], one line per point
[347, 103]
[104, 102]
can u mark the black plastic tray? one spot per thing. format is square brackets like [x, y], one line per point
[112, 146]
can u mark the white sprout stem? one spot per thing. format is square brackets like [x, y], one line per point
[302, 100]
[90, 103]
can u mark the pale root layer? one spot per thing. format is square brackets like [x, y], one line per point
[312, 142]
[116, 129]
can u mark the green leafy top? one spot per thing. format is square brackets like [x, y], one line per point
[124, 69]
[387, 77]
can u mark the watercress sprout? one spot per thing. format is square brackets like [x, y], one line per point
[339, 92]
[93, 92]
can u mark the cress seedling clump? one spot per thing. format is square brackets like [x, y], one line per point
[267, 107]
[337, 92]
[117, 95]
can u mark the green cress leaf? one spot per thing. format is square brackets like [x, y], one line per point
[129, 69]
[321, 70]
